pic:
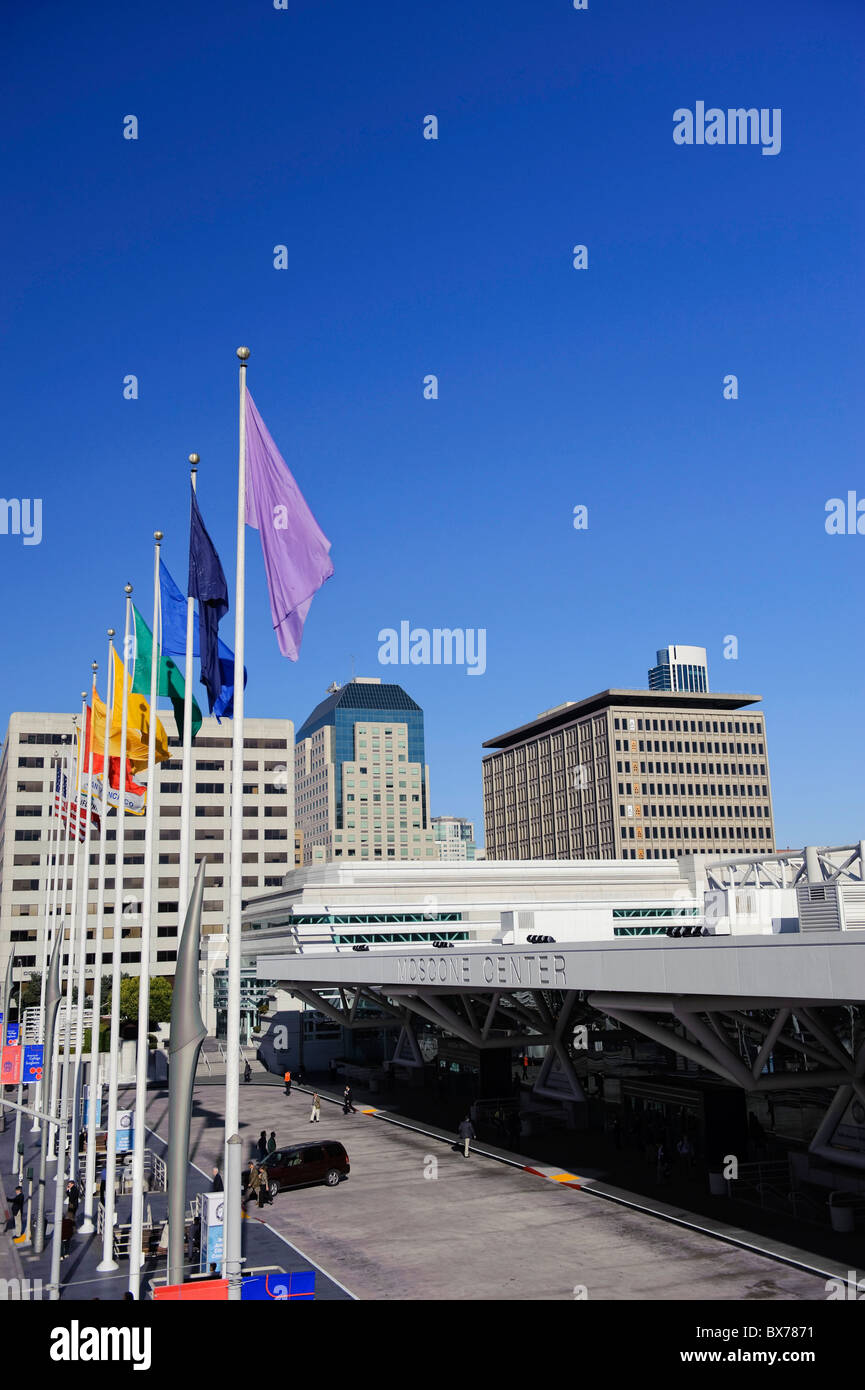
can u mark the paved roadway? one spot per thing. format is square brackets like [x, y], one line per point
[479, 1229]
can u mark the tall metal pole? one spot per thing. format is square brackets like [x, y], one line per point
[75, 1123]
[51, 1069]
[142, 1056]
[187, 1034]
[186, 735]
[50, 911]
[95, 1089]
[17, 1137]
[65, 1097]
[233, 1156]
[108, 1261]
[52, 1004]
[7, 994]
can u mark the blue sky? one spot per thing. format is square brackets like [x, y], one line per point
[260, 127]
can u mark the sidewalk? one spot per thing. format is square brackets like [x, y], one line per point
[81, 1280]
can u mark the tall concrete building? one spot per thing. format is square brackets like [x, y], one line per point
[680, 668]
[361, 779]
[455, 837]
[26, 793]
[631, 774]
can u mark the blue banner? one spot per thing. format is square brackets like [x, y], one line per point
[34, 1054]
[284, 1288]
[12, 1032]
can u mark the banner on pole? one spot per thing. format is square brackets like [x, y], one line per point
[212, 1209]
[33, 1062]
[125, 1133]
[13, 1031]
[202, 1291]
[10, 1066]
[298, 1285]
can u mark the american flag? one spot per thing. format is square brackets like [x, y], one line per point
[62, 807]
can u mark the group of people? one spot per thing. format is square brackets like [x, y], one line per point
[256, 1184]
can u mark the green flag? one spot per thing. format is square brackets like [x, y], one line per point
[169, 681]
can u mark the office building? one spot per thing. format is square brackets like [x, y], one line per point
[679, 669]
[455, 837]
[26, 794]
[361, 779]
[631, 774]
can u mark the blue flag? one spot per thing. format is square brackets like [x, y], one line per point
[174, 642]
[207, 584]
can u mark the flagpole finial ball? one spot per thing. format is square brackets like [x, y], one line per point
[111, 632]
[243, 353]
[94, 666]
[194, 459]
[127, 588]
[157, 535]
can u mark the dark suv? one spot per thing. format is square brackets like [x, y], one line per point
[304, 1164]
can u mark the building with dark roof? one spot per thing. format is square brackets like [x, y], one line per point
[363, 784]
[631, 774]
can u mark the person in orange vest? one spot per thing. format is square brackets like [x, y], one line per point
[287, 1079]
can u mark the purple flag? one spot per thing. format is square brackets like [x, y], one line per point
[296, 550]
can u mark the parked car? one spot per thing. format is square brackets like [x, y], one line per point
[305, 1164]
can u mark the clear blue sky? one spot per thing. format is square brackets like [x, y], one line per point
[303, 127]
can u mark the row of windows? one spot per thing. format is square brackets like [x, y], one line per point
[649, 745]
[697, 726]
[728, 789]
[696, 832]
[706, 769]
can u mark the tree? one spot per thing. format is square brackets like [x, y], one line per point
[30, 993]
[159, 1002]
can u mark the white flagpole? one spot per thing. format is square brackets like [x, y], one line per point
[75, 1126]
[64, 1096]
[95, 1089]
[135, 1260]
[233, 1156]
[66, 777]
[50, 905]
[50, 1069]
[186, 735]
[108, 1261]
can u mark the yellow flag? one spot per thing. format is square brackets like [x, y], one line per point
[137, 725]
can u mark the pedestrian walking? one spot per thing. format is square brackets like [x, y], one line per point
[73, 1197]
[346, 1102]
[685, 1150]
[271, 1143]
[663, 1164]
[217, 1184]
[287, 1080]
[315, 1112]
[248, 1182]
[466, 1133]
[18, 1211]
[262, 1144]
[263, 1189]
[67, 1231]
[247, 1072]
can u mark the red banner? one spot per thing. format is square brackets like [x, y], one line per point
[204, 1291]
[10, 1066]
